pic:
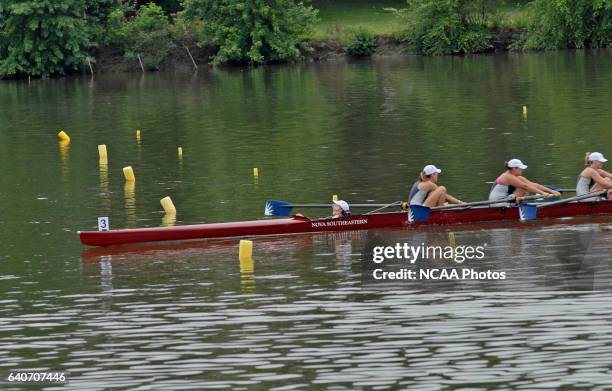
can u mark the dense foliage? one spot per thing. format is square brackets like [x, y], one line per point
[254, 31]
[438, 27]
[50, 37]
[561, 24]
[169, 6]
[362, 43]
[47, 37]
[147, 34]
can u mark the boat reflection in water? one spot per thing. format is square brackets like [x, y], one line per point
[517, 259]
[534, 256]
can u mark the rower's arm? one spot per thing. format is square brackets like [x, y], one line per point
[428, 186]
[524, 184]
[539, 188]
[546, 190]
[600, 180]
[604, 173]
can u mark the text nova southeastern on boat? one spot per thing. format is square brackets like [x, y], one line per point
[337, 223]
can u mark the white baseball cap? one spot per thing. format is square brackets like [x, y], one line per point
[431, 169]
[597, 157]
[342, 204]
[516, 163]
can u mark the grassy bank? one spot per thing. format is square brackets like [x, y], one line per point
[337, 18]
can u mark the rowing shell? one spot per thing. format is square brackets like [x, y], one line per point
[301, 224]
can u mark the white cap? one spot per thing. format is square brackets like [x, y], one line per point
[342, 204]
[516, 163]
[431, 169]
[597, 157]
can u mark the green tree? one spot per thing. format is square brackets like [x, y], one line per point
[169, 6]
[562, 24]
[362, 43]
[438, 27]
[147, 34]
[47, 37]
[254, 31]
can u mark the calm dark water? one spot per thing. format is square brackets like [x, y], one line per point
[189, 316]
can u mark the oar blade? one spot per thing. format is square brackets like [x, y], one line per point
[528, 212]
[277, 208]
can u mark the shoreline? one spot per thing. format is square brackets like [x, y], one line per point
[111, 60]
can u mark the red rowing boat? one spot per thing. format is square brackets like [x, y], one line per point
[300, 224]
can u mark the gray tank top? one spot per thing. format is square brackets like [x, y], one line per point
[499, 192]
[417, 196]
[584, 185]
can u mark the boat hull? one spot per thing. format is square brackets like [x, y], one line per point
[299, 224]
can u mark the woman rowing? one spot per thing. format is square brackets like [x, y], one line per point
[426, 191]
[512, 182]
[593, 177]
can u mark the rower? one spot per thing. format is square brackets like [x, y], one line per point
[426, 191]
[340, 209]
[512, 182]
[594, 177]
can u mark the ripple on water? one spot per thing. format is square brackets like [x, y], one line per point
[295, 330]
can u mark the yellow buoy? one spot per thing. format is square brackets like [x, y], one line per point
[129, 190]
[63, 136]
[64, 146]
[335, 197]
[246, 250]
[102, 152]
[180, 152]
[138, 135]
[129, 193]
[247, 266]
[524, 111]
[255, 172]
[104, 172]
[168, 220]
[168, 205]
[129, 174]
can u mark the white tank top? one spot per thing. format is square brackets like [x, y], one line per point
[417, 196]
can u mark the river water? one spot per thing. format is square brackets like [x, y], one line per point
[190, 316]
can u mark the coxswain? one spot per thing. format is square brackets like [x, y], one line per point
[340, 209]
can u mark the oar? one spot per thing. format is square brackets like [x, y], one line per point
[510, 198]
[551, 187]
[560, 190]
[396, 203]
[283, 208]
[421, 213]
[470, 204]
[528, 212]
